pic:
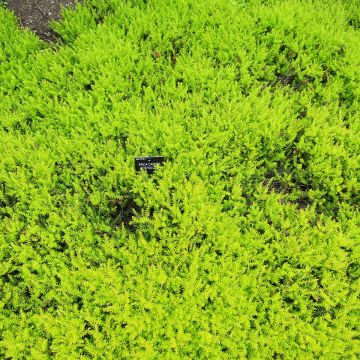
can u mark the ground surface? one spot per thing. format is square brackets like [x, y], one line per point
[36, 14]
[244, 244]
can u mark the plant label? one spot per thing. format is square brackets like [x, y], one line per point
[148, 163]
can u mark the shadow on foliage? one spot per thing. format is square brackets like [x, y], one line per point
[123, 210]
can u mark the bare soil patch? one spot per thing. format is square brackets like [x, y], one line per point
[36, 14]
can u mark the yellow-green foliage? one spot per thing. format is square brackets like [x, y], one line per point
[244, 244]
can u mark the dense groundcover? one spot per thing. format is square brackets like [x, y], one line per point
[244, 244]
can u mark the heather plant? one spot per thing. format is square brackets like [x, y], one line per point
[244, 244]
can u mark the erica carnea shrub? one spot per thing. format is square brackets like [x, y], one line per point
[244, 244]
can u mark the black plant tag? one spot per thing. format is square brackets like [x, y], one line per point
[148, 163]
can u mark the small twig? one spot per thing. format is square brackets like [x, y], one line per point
[41, 10]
